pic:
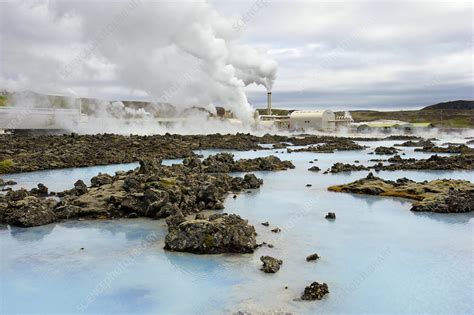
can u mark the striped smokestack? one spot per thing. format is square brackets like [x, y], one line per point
[269, 103]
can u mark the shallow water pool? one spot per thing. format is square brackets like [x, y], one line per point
[376, 257]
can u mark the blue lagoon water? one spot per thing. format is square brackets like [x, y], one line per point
[376, 257]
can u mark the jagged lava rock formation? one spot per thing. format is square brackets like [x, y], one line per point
[153, 190]
[442, 195]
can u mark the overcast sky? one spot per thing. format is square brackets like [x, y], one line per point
[347, 54]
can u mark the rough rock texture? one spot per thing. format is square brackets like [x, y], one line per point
[224, 162]
[7, 183]
[341, 167]
[20, 208]
[331, 216]
[270, 264]
[80, 188]
[330, 147]
[31, 153]
[315, 291]
[386, 150]
[435, 162]
[451, 148]
[41, 190]
[453, 201]
[220, 233]
[443, 195]
[402, 137]
[419, 143]
[312, 257]
[154, 191]
[101, 179]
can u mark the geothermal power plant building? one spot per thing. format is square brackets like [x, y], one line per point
[323, 120]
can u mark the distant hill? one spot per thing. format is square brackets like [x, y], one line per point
[458, 105]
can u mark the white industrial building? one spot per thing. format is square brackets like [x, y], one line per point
[322, 120]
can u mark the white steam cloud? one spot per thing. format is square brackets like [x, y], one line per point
[182, 53]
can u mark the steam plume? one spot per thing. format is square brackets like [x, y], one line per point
[183, 53]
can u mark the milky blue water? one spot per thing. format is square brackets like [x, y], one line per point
[376, 257]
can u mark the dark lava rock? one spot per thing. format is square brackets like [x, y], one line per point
[341, 167]
[451, 148]
[312, 257]
[7, 183]
[250, 181]
[276, 230]
[149, 166]
[419, 143]
[315, 291]
[386, 150]
[330, 145]
[441, 195]
[28, 211]
[220, 233]
[435, 162]
[101, 179]
[154, 190]
[265, 223]
[17, 195]
[454, 201]
[331, 216]
[224, 163]
[270, 264]
[42, 190]
[308, 185]
[80, 188]
[314, 169]
[402, 137]
[33, 153]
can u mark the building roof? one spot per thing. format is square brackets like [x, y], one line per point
[310, 113]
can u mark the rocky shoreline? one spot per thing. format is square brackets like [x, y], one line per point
[152, 190]
[442, 196]
[24, 153]
[435, 162]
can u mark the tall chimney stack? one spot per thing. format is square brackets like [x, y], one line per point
[269, 103]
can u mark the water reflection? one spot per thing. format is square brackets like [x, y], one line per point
[33, 234]
[452, 218]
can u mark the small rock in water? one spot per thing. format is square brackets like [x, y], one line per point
[276, 230]
[314, 169]
[331, 216]
[286, 288]
[82, 248]
[270, 245]
[312, 257]
[308, 185]
[235, 197]
[265, 223]
[311, 162]
[217, 234]
[270, 264]
[315, 291]
[133, 215]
